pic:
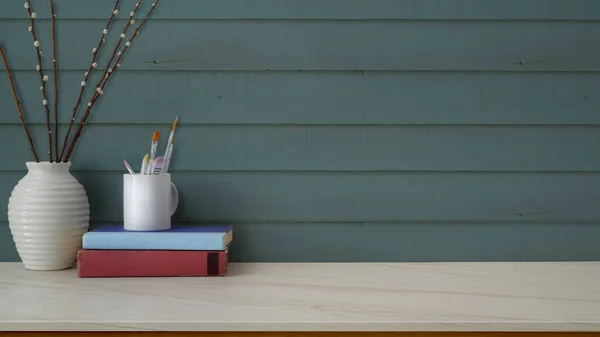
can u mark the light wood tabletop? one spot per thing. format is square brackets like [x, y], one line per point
[330, 297]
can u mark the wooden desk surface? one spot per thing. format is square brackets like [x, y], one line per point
[312, 297]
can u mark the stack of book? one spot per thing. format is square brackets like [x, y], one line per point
[188, 250]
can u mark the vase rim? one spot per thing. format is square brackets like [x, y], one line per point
[46, 163]
[32, 165]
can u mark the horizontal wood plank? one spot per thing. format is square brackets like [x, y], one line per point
[328, 10]
[355, 196]
[399, 242]
[325, 148]
[223, 97]
[320, 45]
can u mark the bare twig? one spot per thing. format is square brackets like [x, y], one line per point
[43, 77]
[100, 89]
[92, 66]
[19, 110]
[55, 79]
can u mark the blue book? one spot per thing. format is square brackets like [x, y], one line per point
[183, 237]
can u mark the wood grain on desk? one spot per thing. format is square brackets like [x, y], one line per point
[334, 297]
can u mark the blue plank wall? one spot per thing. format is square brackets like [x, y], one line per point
[341, 130]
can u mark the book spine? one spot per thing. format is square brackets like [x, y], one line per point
[150, 263]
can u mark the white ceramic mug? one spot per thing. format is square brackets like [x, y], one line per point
[149, 201]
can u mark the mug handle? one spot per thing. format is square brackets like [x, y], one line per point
[174, 199]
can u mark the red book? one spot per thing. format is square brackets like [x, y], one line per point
[150, 263]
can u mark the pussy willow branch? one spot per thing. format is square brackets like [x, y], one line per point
[19, 110]
[100, 90]
[109, 68]
[55, 79]
[43, 77]
[92, 66]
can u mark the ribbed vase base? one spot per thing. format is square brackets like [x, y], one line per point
[49, 267]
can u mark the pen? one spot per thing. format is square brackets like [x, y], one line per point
[169, 149]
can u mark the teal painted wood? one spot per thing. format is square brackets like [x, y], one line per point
[328, 148]
[423, 242]
[321, 45]
[356, 196]
[328, 9]
[353, 97]
[391, 242]
[384, 130]
[8, 251]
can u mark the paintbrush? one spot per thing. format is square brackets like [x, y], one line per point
[153, 148]
[157, 166]
[169, 149]
[145, 163]
[128, 167]
[154, 145]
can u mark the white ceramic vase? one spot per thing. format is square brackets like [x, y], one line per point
[48, 213]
